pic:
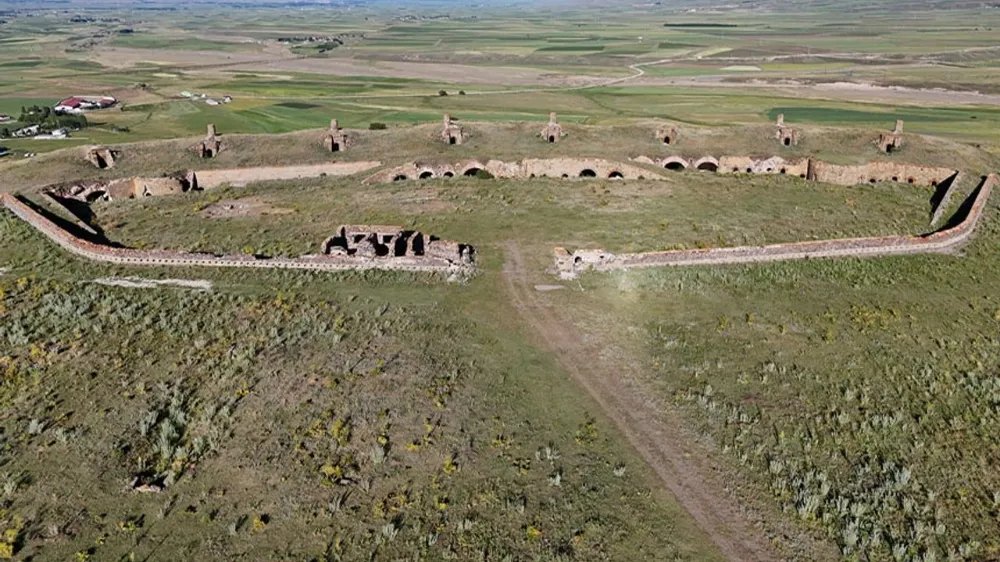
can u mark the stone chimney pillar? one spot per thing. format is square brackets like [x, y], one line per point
[447, 119]
[899, 127]
[211, 130]
[552, 117]
[781, 119]
[334, 126]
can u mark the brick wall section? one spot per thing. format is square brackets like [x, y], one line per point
[943, 241]
[126, 256]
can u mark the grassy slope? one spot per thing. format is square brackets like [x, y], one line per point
[858, 394]
[301, 416]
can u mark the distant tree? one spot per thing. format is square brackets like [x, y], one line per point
[377, 127]
[461, 92]
[4, 133]
[442, 93]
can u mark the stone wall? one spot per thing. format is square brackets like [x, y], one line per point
[569, 265]
[524, 169]
[126, 256]
[875, 172]
[872, 172]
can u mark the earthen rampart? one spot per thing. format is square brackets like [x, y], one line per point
[569, 265]
[241, 176]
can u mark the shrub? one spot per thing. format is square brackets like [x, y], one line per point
[442, 93]
[377, 127]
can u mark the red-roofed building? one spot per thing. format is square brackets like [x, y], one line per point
[77, 104]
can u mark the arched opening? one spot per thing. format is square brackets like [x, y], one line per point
[736, 169]
[749, 170]
[782, 171]
[101, 162]
[531, 177]
[889, 148]
[452, 140]
[674, 165]
[666, 140]
[910, 180]
[616, 175]
[209, 153]
[588, 173]
[788, 141]
[872, 181]
[803, 176]
[449, 174]
[895, 178]
[426, 175]
[934, 183]
[565, 176]
[335, 147]
[399, 177]
[471, 172]
[552, 138]
[708, 167]
[769, 170]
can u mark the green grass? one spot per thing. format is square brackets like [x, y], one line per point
[859, 393]
[296, 416]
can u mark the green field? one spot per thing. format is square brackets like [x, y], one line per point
[842, 409]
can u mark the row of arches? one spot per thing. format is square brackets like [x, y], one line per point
[474, 171]
[706, 164]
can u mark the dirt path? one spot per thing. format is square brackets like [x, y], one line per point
[656, 435]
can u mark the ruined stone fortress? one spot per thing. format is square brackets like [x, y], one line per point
[396, 248]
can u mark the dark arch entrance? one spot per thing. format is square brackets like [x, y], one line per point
[588, 173]
[675, 166]
[427, 174]
[471, 172]
[616, 175]
[708, 167]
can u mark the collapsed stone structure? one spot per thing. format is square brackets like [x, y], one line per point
[553, 131]
[210, 146]
[102, 157]
[452, 133]
[569, 265]
[667, 134]
[335, 139]
[892, 141]
[368, 241]
[787, 136]
[125, 188]
[436, 256]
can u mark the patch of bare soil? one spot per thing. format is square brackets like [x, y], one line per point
[847, 91]
[126, 57]
[141, 283]
[249, 207]
[656, 432]
[415, 202]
